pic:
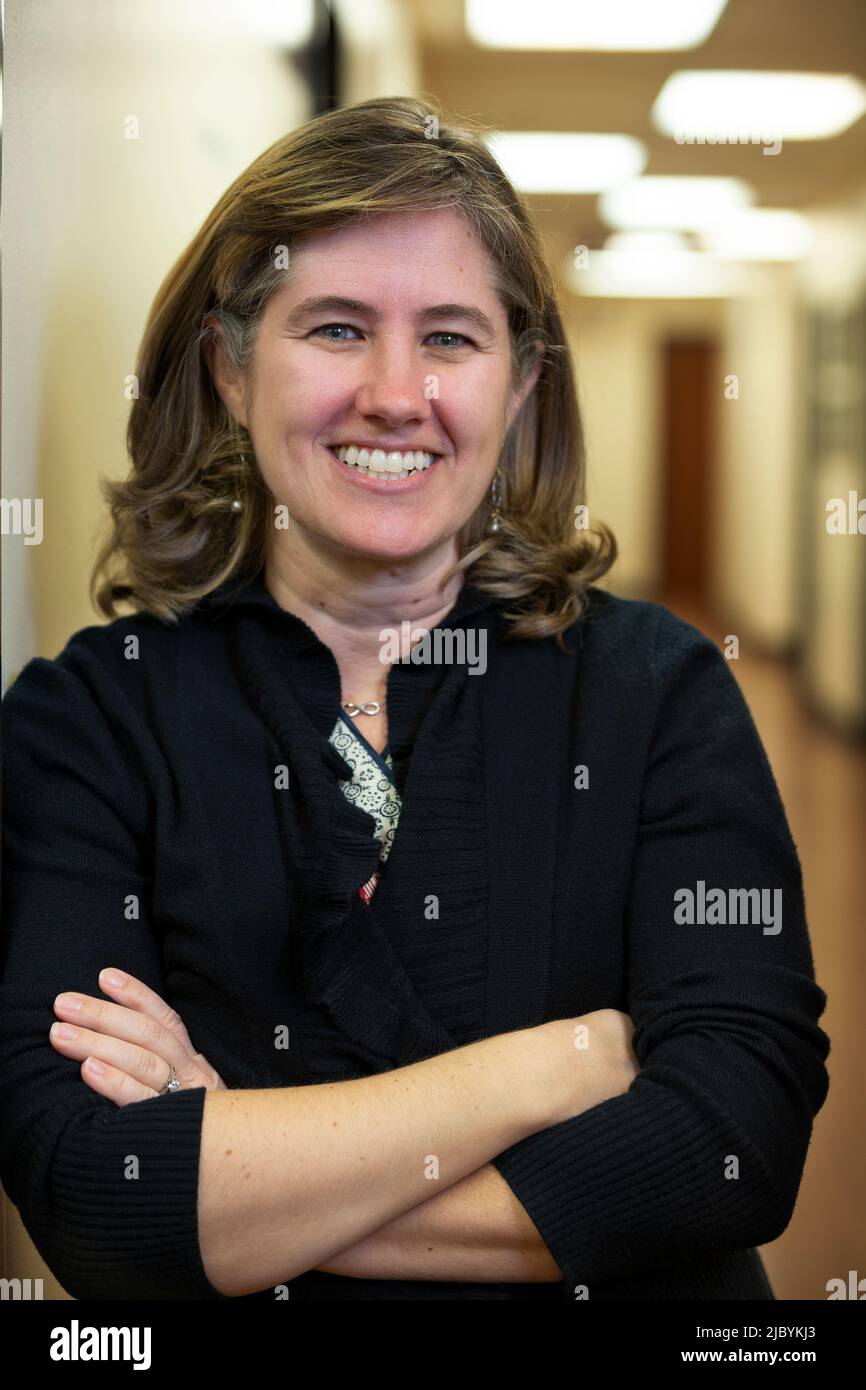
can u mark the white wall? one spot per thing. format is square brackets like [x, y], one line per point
[834, 277]
[755, 581]
[380, 50]
[92, 222]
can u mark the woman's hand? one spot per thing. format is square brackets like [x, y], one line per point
[127, 1049]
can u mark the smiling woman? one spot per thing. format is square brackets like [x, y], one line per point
[437, 356]
[368, 920]
[400, 381]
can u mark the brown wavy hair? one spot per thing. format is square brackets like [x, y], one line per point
[175, 535]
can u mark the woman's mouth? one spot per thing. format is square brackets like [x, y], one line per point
[381, 466]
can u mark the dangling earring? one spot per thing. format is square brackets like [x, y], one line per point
[236, 504]
[495, 522]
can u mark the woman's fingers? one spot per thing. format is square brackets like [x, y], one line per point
[129, 1072]
[132, 993]
[115, 1085]
[140, 1039]
[136, 1041]
[123, 1024]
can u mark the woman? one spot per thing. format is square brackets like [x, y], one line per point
[385, 813]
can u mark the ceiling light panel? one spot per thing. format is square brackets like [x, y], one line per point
[720, 106]
[566, 161]
[624, 26]
[682, 204]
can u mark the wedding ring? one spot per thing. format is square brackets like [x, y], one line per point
[172, 1084]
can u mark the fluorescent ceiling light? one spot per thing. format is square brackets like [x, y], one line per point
[646, 245]
[564, 162]
[662, 273]
[761, 234]
[785, 105]
[690, 204]
[607, 26]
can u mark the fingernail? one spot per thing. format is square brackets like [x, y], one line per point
[64, 1030]
[68, 1001]
[112, 978]
[95, 1066]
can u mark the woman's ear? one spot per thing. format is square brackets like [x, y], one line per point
[521, 395]
[228, 382]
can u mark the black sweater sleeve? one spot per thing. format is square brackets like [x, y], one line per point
[108, 1194]
[705, 1151]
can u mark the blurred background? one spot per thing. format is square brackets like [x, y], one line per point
[698, 172]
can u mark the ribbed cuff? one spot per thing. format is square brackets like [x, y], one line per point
[637, 1183]
[122, 1215]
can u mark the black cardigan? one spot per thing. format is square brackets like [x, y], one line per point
[143, 761]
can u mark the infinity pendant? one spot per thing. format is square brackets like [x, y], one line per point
[372, 708]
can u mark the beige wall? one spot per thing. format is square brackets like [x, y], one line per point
[92, 222]
[380, 52]
[835, 654]
[755, 580]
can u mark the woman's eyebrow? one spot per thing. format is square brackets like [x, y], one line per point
[339, 304]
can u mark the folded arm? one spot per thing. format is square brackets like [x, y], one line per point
[475, 1231]
[117, 1200]
[705, 1151]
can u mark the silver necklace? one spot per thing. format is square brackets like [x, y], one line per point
[372, 707]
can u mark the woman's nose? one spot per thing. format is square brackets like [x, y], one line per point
[395, 386]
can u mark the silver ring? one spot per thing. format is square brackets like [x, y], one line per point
[172, 1084]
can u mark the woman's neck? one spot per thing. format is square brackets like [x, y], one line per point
[348, 605]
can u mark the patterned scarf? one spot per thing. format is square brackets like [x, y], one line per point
[371, 787]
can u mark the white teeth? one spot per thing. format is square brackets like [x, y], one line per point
[391, 465]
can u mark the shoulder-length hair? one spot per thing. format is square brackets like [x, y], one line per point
[176, 535]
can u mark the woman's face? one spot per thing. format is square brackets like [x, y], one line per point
[388, 335]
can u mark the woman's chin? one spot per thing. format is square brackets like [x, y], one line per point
[390, 549]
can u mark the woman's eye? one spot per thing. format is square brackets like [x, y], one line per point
[342, 326]
[330, 331]
[462, 340]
